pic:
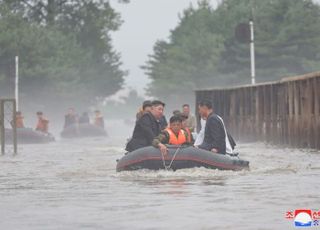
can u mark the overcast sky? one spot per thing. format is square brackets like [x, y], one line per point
[145, 22]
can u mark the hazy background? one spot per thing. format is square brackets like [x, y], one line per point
[155, 19]
[143, 23]
[54, 78]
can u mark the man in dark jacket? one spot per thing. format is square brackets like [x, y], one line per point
[146, 128]
[70, 118]
[214, 134]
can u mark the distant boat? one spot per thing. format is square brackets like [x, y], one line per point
[83, 130]
[28, 136]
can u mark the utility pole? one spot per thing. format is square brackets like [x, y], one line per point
[252, 53]
[16, 88]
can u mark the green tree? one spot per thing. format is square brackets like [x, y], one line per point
[189, 59]
[64, 46]
[45, 55]
[202, 50]
[286, 37]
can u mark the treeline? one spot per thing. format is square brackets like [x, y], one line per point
[203, 52]
[65, 50]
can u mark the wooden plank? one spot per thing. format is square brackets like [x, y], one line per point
[296, 136]
[316, 87]
[305, 113]
[257, 113]
[271, 101]
[281, 107]
[261, 113]
[310, 113]
[273, 104]
[268, 112]
[290, 115]
[287, 112]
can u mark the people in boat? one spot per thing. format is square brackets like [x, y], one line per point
[184, 123]
[146, 107]
[172, 135]
[147, 127]
[19, 120]
[215, 135]
[70, 119]
[163, 122]
[191, 119]
[98, 120]
[43, 123]
[176, 112]
[84, 118]
[186, 128]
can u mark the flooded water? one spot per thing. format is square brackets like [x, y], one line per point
[74, 185]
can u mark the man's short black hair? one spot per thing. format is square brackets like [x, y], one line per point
[185, 105]
[175, 118]
[157, 102]
[176, 112]
[206, 103]
[39, 113]
[146, 103]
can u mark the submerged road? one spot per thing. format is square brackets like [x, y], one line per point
[74, 185]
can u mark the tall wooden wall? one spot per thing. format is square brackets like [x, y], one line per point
[286, 112]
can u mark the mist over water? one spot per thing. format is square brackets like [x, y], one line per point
[72, 184]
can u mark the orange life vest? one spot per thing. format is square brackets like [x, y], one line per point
[19, 121]
[174, 140]
[42, 125]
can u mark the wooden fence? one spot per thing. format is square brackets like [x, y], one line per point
[285, 112]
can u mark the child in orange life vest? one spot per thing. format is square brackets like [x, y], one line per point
[19, 120]
[43, 123]
[173, 135]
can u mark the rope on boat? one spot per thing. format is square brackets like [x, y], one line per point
[168, 167]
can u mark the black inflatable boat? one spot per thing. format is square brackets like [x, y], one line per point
[83, 130]
[179, 158]
[28, 136]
